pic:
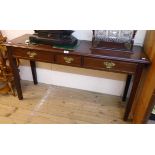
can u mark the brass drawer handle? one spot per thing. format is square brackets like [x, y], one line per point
[68, 60]
[109, 65]
[31, 54]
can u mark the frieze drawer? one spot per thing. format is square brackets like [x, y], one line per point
[33, 54]
[109, 65]
[69, 60]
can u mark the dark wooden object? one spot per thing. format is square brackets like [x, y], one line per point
[34, 73]
[129, 63]
[129, 76]
[15, 71]
[136, 81]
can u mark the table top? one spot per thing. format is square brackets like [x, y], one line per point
[84, 48]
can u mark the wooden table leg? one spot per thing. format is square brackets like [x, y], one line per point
[34, 73]
[17, 79]
[128, 80]
[136, 81]
[15, 70]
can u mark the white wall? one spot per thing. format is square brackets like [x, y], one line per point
[86, 79]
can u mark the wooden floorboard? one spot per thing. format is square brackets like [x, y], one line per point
[48, 104]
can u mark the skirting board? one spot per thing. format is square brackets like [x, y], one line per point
[89, 83]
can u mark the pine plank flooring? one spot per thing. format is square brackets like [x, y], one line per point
[48, 104]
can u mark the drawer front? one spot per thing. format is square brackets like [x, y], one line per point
[109, 65]
[70, 60]
[33, 55]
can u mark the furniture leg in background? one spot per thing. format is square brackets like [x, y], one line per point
[34, 73]
[128, 80]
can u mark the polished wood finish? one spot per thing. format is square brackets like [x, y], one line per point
[136, 81]
[142, 104]
[149, 44]
[83, 49]
[81, 56]
[117, 66]
[36, 55]
[69, 60]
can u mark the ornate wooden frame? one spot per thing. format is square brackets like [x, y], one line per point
[6, 76]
